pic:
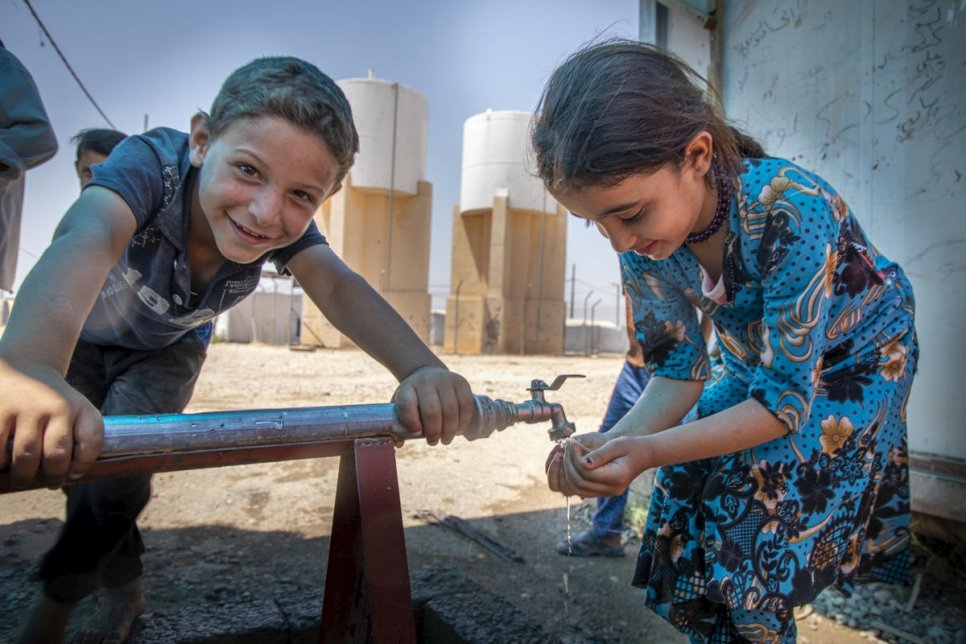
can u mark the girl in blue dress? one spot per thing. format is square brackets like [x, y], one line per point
[782, 462]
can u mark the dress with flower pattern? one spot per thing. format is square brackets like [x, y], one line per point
[818, 327]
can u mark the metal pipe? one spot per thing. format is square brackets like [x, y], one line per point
[166, 442]
[212, 431]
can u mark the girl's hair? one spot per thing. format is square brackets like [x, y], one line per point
[294, 90]
[622, 107]
[99, 140]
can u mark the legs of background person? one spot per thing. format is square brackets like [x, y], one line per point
[603, 538]
[608, 522]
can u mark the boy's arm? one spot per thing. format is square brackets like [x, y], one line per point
[54, 428]
[430, 399]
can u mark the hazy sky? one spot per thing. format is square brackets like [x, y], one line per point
[167, 59]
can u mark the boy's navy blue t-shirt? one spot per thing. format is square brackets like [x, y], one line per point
[146, 302]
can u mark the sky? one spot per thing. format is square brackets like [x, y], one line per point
[163, 61]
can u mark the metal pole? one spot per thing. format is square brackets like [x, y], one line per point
[138, 444]
[543, 238]
[617, 306]
[456, 320]
[392, 189]
[586, 337]
[593, 328]
[573, 282]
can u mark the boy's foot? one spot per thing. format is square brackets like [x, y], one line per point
[586, 544]
[117, 609]
[46, 622]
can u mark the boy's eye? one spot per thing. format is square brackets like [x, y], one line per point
[301, 195]
[247, 169]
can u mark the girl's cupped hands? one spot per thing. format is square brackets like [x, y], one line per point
[589, 465]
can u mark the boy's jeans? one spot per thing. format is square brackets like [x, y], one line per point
[100, 543]
[608, 521]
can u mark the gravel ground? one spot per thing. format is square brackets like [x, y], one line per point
[931, 608]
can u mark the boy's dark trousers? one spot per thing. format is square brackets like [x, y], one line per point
[100, 544]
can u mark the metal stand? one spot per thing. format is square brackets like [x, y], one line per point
[367, 595]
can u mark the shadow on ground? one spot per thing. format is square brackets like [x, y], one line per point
[213, 583]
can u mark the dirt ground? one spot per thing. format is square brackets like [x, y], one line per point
[252, 540]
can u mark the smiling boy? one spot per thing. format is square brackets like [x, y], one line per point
[172, 230]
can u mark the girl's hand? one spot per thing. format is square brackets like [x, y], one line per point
[435, 403]
[579, 444]
[604, 471]
[51, 428]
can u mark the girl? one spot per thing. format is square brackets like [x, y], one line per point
[791, 474]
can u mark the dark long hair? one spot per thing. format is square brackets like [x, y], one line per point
[622, 107]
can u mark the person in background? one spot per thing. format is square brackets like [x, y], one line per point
[94, 145]
[603, 538]
[173, 229]
[792, 473]
[26, 140]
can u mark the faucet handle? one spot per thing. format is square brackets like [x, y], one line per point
[539, 385]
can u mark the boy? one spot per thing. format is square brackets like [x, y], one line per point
[172, 230]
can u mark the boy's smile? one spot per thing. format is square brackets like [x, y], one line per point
[261, 181]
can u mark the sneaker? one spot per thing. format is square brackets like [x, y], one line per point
[586, 544]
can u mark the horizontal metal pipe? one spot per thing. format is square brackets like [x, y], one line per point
[167, 442]
[170, 433]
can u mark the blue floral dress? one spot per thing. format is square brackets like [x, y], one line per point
[818, 327]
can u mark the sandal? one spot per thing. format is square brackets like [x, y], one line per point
[586, 544]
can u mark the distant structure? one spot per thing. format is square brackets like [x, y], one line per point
[379, 223]
[509, 246]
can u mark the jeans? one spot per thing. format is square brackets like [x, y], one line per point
[100, 543]
[608, 520]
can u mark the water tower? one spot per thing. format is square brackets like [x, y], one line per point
[379, 223]
[509, 246]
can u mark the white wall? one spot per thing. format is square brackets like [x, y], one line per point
[872, 96]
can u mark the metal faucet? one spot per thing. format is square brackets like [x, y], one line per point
[496, 415]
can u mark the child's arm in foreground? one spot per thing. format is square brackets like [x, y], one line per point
[54, 428]
[430, 400]
[642, 444]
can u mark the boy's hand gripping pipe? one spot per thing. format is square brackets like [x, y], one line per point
[145, 444]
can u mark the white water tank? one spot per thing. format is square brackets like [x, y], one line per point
[497, 157]
[385, 114]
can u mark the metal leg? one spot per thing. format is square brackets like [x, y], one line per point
[367, 596]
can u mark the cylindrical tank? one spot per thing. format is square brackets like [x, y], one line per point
[497, 157]
[386, 113]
